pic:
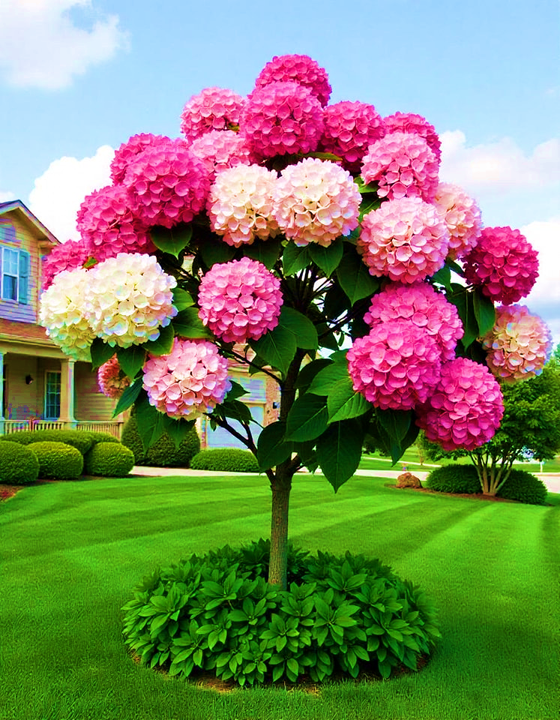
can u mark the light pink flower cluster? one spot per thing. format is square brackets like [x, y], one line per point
[212, 109]
[109, 227]
[62, 313]
[465, 409]
[297, 68]
[128, 299]
[396, 366]
[407, 240]
[240, 204]
[315, 202]
[66, 256]
[462, 217]
[168, 185]
[519, 345]
[402, 165]
[282, 118]
[111, 379]
[503, 263]
[417, 125]
[423, 306]
[240, 300]
[129, 150]
[350, 128]
[191, 380]
[221, 149]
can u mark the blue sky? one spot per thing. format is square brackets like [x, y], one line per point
[78, 77]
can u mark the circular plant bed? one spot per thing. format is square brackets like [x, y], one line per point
[217, 614]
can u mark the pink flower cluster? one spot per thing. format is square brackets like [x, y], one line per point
[168, 185]
[66, 256]
[212, 109]
[240, 300]
[282, 118]
[129, 150]
[462, 217]
[407, 240]
[350, 128]
[465, 409]
[417, 125]
[402, 165]
[519, 345]
[191, 380]
[297, 68]
[221, 149]
[423, 306]
[108, 226]
[396, 366]
[240, 204]
[316, 202]
[503, 263]
[111, 379]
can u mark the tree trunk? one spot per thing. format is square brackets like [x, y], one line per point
[281, 486]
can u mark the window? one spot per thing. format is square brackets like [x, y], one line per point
[15, 275]
[52, 396]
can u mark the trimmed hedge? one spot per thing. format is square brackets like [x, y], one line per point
[460, 479]
[108, 459]
[524, 487]
[225, 460]
[58, 461]
[18, 465]
[163, 453]
[82, 440]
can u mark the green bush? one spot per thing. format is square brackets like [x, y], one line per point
[163, 453]
[225, 460]
[58, 461]
[524, 487]
[108, 459]
[18, 465]
[82, 440]
[217, 613]
[460, 479]
[99, 437]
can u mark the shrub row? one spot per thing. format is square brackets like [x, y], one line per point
[163, 453]
[225, 460]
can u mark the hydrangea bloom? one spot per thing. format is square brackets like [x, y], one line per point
[128, 299]
[465, 409]
[316, 202]
[191, 380]
[167, 184]
[462, 217]
[212, 109]
[240, 204]
[111, 379]
[503, 263]
[350, 128]
[519, 345]
[109, 227]
[403, 166]
[406, 240]
[282, 118]
[416, 124]
[221, 149]
[128, 151]
[297, 68]
[422, 305]
[396, 366]
[63, 316]
[66, 256]
[240, 300]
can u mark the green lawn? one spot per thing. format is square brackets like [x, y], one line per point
[71, 553]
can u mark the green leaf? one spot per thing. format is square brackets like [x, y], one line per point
[325, 380]
[443, 277]
[397, 424]
[164, 343]
[484, 312]
[277, 348]
[181, 299]
[100, 353]
[265, 251]
[339, 450]
[150, 423]
[129, 397]
[463, 301]
[177, 429]
[187, 324]
[343, 402]
[301, 327]
[131, 359]
[354, 278]
[236, 391]
[307, 419]
[327, 258]
[365, 188]
[214, 250]
[368, 204]
[295, 258]
[308, 372]
[272, 449]
[236, 410]
[171, 240]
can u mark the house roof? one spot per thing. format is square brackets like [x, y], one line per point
[29, 219]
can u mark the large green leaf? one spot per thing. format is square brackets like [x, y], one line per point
[265, 251]
[214, 250]
[187, 324]
[354, 278]
[339, 450]
[295, 258]
[463, 301]
[301, 327]
[100, 353]
[343, 402]
[181, 299]
[307, 419]
[171, 240]
[369, 203]
[396, 424]
[177, 429]
[131, 359]
[326, 379]
[272, 448]
[484, 312]
[277, 348]
[164, 343]
[150, 422]
[129, 397]
[308, 372]
[327, 258]
[443, 277]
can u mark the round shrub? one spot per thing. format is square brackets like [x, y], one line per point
[58, 461]
[216, 613]
[225, 460]
[79, 439]
[460, 479]
[99, 437]
[18, 465]
[163, 453]
[524, 487]
[108, 459]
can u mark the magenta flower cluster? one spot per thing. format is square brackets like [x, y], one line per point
[415, 125]
[240, 300]
[129, 150]
[465, 409]
[66, 256]
[220, 150]
[191, 380]
[297, 68]
[406, 240]
[424, 307]
[462, 217]
[111, 380]
[504, 264]
[212, 109]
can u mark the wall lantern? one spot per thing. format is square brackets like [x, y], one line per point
[28, 379]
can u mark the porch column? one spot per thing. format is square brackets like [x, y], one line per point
[67, 392]
[1, 393]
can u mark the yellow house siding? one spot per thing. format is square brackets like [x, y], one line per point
[90, 404]
[24, 240]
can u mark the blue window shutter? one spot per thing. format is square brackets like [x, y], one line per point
[1, 278]
[23, 294]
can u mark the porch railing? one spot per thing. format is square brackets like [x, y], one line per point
[10, 426]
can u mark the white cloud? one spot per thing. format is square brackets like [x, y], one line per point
[40, 46]
[5, 196]
[60, 190]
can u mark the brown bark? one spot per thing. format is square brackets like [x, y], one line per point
[281, 486]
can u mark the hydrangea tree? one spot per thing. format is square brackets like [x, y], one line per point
[311, 242]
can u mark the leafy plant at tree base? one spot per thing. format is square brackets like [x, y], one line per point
[226, 460]
[460, 479]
